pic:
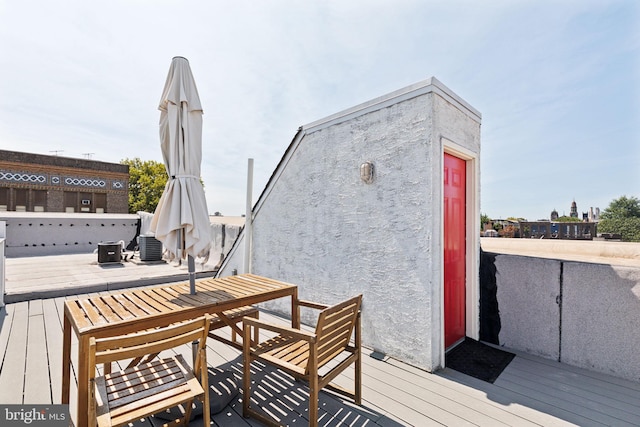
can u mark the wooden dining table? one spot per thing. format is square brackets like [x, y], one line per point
[144, 308]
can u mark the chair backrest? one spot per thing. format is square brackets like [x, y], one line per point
[104, 350]
[334, 328]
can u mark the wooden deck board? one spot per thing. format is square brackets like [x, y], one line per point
[13, 366]
[587, 395]
[433, 389]
[530, 392]
[53, 332]
[582, 383]
[580, 407]
[37, 362]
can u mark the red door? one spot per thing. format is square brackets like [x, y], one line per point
[454, 249]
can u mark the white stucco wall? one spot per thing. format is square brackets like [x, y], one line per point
[318, 225]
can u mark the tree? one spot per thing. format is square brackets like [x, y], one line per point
[622, 216]
[623, 207]
[147, 180]
[484, 219]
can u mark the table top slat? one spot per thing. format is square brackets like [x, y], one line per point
[264, 281]
[141, 302]
[183, 290]
[91, 313]
[105, 310]
[243, 284]
[156, 301]
[117, 307]
[237, 289]
[217, 295]
[173, 297]
[165, 298]
[261, 282]
[80, 321]
[126, 304]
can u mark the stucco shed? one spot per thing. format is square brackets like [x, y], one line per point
[321, 225]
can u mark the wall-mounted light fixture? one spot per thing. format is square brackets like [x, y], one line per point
[366, 172]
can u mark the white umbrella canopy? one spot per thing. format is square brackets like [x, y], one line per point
[181, 219]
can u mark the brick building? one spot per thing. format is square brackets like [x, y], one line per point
[41, 183]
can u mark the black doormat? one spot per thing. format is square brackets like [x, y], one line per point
[478, 360]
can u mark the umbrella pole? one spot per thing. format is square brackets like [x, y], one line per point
[192, 290]
[192, 285]
[191, 264]
[192, 274]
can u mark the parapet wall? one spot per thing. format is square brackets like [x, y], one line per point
[594, 251]
[580, 313]
[41, 234]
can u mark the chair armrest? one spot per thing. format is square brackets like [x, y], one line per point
[280, 329]
[311, 304]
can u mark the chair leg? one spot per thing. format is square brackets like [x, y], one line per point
[206, 410]
[187, 412]
[256, 331]
[358, 367]
[313, 384]
[358, 381]
[246, 371]
[313, 401]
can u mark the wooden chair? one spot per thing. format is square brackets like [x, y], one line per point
[153, 385]
[232, 317]
[302, 353]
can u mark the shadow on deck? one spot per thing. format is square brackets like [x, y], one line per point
[530, 392]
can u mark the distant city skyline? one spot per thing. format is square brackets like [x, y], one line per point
[561, 212]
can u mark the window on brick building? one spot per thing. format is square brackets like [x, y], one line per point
[100, 202]
[70, 201]
[4, 199]
[22, 198]
[39, 200]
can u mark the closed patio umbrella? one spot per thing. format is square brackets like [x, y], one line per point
[181, 220]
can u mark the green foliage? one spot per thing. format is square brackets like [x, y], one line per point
[484, 219]
[628, 228]
[565, 218]
[147, 180]
[622, 216]
[623, 207]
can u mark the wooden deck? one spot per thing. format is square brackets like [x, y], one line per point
[530, 392]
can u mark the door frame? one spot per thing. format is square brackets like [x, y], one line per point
[472, 256]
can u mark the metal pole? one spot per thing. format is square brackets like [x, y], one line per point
[192, 274]
[191, 265]
[248, 221]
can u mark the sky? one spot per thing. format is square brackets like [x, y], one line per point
[557, 84]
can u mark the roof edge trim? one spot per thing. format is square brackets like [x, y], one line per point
[426, 86]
